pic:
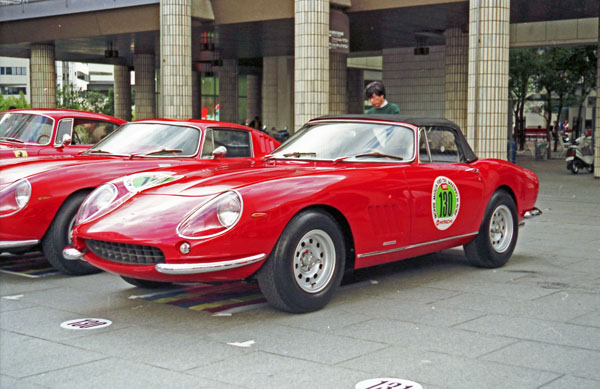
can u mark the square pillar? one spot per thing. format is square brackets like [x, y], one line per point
[122, 77]
[457, 70]
[145, 104]
[487, 118]
[311, 65]
[228, 90]
[42, 74]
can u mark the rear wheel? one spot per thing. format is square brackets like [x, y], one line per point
[575, 167]
[306, 266]
[146, 284]
[497, 237]
[590, 168]
[59, 235]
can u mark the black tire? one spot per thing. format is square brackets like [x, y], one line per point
[146, 284]
[590, 168]
[575, 167]
[59, 235]
[306, 265]
[497, 237]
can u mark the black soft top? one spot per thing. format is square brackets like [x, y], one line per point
[469, 155]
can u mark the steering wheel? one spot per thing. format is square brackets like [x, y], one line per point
[38, 140]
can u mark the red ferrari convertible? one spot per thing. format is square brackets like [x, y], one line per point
[343, 193]
[39, 197]
[51, 132]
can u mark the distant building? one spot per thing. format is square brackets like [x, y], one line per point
[14, 77]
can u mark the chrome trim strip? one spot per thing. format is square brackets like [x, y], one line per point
[18, 243]
[412, 246]
[532, 213]
[196, 268]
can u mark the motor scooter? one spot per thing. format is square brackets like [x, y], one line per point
[580, 155]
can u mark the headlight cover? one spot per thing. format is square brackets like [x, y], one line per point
[110, 195]
[14, 197]
[213, 218]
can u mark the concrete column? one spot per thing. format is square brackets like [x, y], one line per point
[415, 82]
[457, 70]
[311, 65]
[355, 91]
[228, 90]
[338, 80]
[253, 106]
[122, 77]
[145, 104]
[42, 74]
[269, 92]
[196, 95]
[597, 129]
[176, 58]
[487, 118]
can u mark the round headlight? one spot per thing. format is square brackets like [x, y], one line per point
[14, 197]
[96, 202]
[213, 218]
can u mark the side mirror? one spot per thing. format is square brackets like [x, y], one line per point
[219, 152]
[66, 140]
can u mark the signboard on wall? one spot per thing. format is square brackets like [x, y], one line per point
[339, 32]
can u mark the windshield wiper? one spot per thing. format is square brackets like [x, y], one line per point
[379, 155]
[155, 152]
[98, 151]
[12, 139]
[300, 153]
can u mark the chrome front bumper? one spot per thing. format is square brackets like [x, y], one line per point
[9, 244]
[73, 254]
[197, 268]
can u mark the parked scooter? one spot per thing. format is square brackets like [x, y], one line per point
[580, 155]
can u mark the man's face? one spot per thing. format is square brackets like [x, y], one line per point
[376, 101]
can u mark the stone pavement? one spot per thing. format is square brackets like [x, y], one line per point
[534, 323]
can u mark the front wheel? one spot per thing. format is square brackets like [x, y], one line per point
[590, 168]
[497, 237]
[306, 265]
[59, 235]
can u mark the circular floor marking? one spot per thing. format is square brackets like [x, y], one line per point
[387, 383]
[86, 324]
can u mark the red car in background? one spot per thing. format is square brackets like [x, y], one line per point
[343, 193]
[39, 197]
[51, 132]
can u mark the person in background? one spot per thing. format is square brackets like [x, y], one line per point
[375, 93]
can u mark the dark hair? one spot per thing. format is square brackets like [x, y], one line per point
[374, 88]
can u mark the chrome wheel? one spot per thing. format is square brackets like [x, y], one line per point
[501, 229]
[314, 261]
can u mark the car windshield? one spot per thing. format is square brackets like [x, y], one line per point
[149, 140]
[339, 141]
[25, 128]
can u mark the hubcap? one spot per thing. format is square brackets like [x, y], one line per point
[314, 261]
[501, 229]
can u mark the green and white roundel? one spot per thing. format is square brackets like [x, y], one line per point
[445, 202]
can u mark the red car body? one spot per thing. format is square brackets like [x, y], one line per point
[323, 203]
[51, 132]
[40, 196]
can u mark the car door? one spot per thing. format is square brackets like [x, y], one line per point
[446, 192]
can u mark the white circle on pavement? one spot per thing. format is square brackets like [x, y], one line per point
[86, 324]
[387, 383]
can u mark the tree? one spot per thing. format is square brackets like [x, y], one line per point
[522, 68]
[70, 97]
[11, 102]
[582, 62]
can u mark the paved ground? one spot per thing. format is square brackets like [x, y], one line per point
[534, 323]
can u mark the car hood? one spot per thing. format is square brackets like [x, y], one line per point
[27, 168]
[205, 182]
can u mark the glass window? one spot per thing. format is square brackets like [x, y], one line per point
[442, 145]
[65, 127]
[351, 141]
[210, 97]
[236, 142]
[150, 140]
[26, 128]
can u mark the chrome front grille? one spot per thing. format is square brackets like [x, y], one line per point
[133, 254]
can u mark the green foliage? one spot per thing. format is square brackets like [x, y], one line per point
[13, 102]
[69, 97]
